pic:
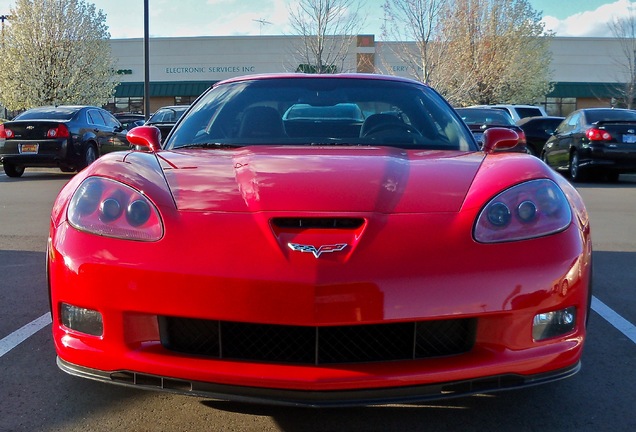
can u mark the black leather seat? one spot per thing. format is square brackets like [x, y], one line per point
[261, 122]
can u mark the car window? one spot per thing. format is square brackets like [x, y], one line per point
[94, 117]
[570, 123]
[594, 116]
[322, 110]
[524, 112]
[110, 120]
[486, 116]
[51, 113]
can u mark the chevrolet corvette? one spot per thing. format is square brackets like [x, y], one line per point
[320, 258]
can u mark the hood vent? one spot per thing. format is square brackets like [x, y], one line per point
[318, 223]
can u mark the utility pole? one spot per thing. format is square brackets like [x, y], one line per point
[3, 18]
[146, 63]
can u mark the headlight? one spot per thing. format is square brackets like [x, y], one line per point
[111, 209]
[528, 210]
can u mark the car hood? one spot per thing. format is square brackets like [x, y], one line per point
[319, 179]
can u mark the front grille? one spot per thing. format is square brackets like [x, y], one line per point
[318, 223]
[317, 345]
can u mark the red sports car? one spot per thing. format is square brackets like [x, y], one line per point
[320, 260]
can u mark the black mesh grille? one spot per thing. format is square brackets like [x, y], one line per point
[319, 223]
[317, 345]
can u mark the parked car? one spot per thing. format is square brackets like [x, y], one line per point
[68, 137]
[594, 142]
[517, 112]
[166, 117]
[404, 263]
[538, 130]
[481, 119]
[130, 120]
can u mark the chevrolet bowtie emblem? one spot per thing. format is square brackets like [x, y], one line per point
[317, 251]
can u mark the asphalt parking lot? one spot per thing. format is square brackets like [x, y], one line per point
[35, 395]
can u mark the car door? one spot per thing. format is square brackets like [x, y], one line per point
[558, 146]
[115, 132]
[99, 130]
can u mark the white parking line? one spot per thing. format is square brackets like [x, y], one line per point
[23, 333]
[620, 323]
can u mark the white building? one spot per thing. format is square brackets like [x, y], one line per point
[586, 71]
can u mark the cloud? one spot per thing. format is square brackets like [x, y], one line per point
[590, 23]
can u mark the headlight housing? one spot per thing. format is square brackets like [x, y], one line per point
[528, 210]
[109, 208]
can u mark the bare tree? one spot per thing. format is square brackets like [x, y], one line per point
[474, 51]
[415, 26]
[56, 52]
[500, 48]
[328, 29]
[624, 29]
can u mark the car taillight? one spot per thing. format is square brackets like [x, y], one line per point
[596, 134]
[522, 137]
[6, 133]
[61, 131]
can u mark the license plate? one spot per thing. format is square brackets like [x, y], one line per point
[29, 148]
[629, 139]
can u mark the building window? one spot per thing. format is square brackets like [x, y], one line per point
[126, 104]
[560, 106]
[184, 100]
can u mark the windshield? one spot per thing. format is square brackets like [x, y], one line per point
[48, 113]
[167, 114]
[322, 111]
[486, 116]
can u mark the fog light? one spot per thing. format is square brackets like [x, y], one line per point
[551, 324]
[82, 320]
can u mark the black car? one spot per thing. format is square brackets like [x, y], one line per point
[479, 120]
[594, 142]
[538, 130]
[166, 117]
[130, 120]
[68, 137]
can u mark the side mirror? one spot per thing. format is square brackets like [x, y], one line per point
[499, 139]
[145, 136]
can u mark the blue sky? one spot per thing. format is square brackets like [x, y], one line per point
[171, 18]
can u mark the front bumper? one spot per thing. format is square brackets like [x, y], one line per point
[407, 394]
[133, 292]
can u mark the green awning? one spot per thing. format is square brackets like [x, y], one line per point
[163, 89]
[585, 90]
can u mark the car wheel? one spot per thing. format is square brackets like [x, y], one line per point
[577, 174]
[13, 171]
[89, 156]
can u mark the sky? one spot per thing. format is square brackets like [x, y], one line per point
[175, 18]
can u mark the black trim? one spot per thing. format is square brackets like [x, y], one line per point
[341, 398]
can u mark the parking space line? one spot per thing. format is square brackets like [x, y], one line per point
[23, 333]
[620, 323]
